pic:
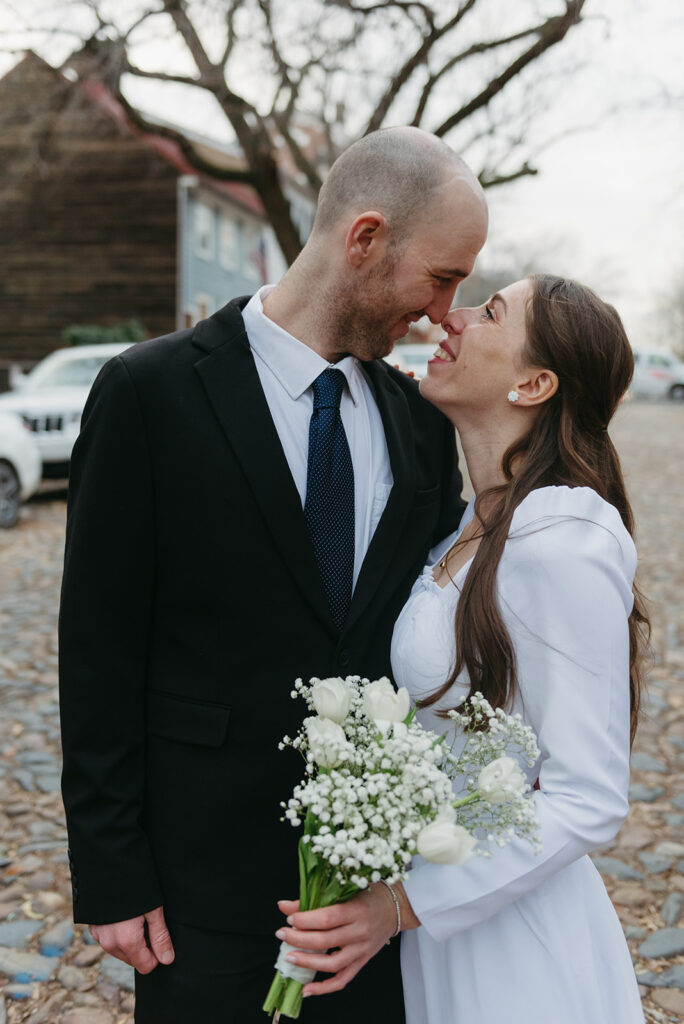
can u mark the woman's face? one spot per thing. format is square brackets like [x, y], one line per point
[480, 360]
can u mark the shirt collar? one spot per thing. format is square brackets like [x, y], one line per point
[292, 362]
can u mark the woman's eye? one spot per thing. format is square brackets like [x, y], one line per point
[487, 314]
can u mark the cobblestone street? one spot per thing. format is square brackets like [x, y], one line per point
[51, 973]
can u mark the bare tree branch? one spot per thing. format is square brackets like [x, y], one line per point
[408, 8]
[303, 164]
[553, 32]
[196, 161]
[145, 16]
[283, 118]
[231, 38]
[476, 48]
[178, 12]
[252, 134]
[284, 70]
[161, 76]
[415, 61]
[488, 180]
[315, 58]
[211, 75]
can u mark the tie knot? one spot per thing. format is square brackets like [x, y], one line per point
[327, 389]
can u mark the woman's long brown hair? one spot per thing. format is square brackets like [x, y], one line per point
[582, 340]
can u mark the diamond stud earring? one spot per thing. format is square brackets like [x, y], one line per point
[513, 396]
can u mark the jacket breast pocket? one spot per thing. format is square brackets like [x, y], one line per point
[187, 721]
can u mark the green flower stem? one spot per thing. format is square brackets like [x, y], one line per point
[272, 1002]
[318, 887]
[285, 994]
[472, 799]
[291, 1003]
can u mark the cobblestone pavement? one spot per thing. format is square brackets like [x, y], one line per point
[50, 973]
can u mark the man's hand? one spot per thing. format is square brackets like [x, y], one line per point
[143, 942]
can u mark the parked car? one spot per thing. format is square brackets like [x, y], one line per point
[658, 375]
[20, 467]
[50, 400]
[412, 358]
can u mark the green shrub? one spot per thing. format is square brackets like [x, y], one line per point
[94, 334]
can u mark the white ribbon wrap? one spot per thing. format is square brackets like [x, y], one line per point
[289, 970]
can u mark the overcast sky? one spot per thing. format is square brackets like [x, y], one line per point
[608, 204]
[613, 198]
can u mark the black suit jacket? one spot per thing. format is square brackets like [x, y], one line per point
[191, 602]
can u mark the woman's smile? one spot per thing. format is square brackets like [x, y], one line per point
[444, 353]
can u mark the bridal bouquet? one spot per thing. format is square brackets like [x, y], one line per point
[379, 788]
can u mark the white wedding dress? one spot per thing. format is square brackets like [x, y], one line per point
[525, 938]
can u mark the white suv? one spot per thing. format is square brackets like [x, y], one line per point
[658, 374]
[412, 357]
[51, 397]
[19, 467]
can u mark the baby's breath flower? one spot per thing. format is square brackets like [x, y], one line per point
[370, 807]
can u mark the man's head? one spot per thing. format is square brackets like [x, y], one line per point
[400, 221]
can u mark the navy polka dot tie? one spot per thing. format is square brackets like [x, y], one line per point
[329, 505]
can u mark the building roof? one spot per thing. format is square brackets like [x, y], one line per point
[164, 146]
[168, 149]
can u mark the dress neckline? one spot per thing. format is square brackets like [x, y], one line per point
[429, 570]
[443, 547]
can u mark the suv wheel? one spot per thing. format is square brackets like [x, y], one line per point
[9, 495]
[677, 392]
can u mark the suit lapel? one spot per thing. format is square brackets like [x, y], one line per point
[231, 383]
[396, 421]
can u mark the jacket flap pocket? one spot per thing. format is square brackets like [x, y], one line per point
[186, 720]
[427, 496]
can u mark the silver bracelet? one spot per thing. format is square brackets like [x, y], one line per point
[395, 899]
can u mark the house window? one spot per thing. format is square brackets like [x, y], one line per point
[255, 263]
[228, 243]
[204, 305]
[204, 231]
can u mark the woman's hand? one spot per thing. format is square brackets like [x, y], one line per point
[354, 931]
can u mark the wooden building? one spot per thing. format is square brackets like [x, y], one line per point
[101, 223]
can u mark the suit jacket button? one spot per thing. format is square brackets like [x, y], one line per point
[344, 656]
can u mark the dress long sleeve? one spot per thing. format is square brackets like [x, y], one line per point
[565, 592]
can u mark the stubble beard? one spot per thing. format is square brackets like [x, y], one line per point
[360, 324]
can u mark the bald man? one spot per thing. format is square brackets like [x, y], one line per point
[200, 583]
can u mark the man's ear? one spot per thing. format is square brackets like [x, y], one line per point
[539, 386]
[366, 238]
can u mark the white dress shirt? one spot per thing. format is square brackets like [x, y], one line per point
[287, 369]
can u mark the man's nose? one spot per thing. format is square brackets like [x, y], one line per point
[439, 307]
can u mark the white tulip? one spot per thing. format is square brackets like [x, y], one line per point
[332, 698]
[383, 703]
[327, 742]
[442, 842]
[500, 780]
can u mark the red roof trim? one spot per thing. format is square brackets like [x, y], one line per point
[168, 149]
